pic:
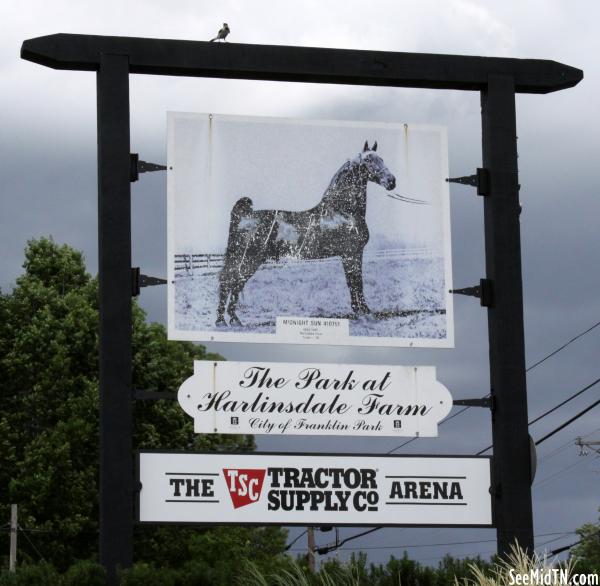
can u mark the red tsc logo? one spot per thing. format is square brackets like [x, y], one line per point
[245, 485]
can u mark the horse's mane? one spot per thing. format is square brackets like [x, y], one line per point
[347, 166]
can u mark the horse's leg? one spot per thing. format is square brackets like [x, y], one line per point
[237, 287]
[354, 279]
[234, 320]
[360, 292]
[224, 288]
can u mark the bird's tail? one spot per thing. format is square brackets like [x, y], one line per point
[213, 39]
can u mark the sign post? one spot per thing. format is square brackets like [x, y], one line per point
[497, 79]
[512, 493]
[114, 251]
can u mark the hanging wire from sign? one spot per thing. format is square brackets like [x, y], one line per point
[407, 199]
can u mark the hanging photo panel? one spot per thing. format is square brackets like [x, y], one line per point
[308, 232]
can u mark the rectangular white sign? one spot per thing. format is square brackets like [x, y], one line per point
[308, 232]
[314, 489]
[275, 398]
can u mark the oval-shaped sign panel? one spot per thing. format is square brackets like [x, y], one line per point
[314, 399]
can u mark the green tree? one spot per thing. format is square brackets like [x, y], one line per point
[49, 417]
[587, 552]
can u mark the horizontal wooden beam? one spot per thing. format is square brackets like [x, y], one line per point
[303, 64]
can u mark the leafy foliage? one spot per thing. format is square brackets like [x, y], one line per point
[357, 572]
[587, 552]
[49, 419]
[406, 572]
[32, 575]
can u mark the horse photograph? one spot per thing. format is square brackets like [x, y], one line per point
[308, 232]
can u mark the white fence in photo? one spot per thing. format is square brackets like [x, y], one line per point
[189, 265]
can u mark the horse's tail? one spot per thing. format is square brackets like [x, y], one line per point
[241, 208]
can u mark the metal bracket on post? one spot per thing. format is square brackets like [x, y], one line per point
[137, 167]
[481, 180]
[483, 292]
[143, 395]
[486, 402]
[139, 280]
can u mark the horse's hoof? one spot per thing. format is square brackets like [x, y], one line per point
[235, 321]
[220, 323]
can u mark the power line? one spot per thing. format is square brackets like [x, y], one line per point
[554, 539]
[566, 547]
[530, 423]
[560, 472]
[441, 423]
[23, 532]
[412, 546]
[552, 410]
[289, 545]
[464, 556]
[565, 401]
[536, 443]
[529, 368]
[563, 346]
[556, 451]
[568, 422]
[327, 549]
[543, 481]
[563, 447]
[492, 552]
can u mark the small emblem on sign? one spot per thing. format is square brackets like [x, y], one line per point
[235, 421]
[397, 424]
[244, 485]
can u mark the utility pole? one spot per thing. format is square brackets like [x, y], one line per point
[583, 445]
[12, 563]
[310, 532]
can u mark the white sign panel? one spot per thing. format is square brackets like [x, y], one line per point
[314, 399]
[314, 489]
[308, 232]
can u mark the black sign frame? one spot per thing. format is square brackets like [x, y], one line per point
[496, 79]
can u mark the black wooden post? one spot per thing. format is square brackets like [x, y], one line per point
[114, 252]
[512, 498]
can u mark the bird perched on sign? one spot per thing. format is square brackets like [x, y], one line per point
[222, 34]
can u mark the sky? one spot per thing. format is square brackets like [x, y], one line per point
[48, 186]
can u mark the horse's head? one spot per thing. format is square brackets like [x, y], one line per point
[375, 168]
